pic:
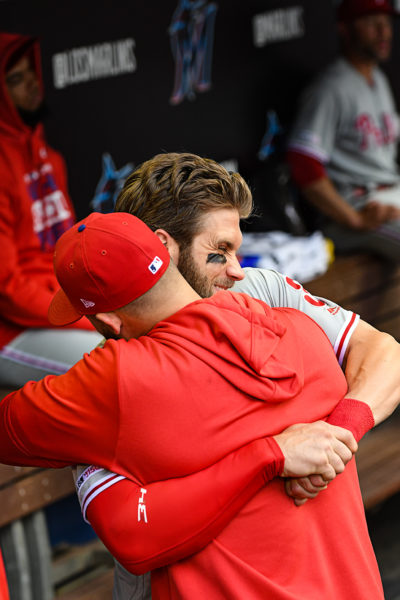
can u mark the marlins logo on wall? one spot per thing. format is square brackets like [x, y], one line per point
[192, 36]
[268, 142]
[109, 185]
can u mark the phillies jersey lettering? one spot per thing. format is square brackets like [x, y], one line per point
[372, 134]
[307, 297]
[51, 214]
[278, 290]
[351, 126]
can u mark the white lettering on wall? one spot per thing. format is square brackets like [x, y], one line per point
[83, 64]
[278, 25]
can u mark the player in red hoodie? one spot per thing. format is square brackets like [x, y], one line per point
[35, 210]
[203, 379]
[3, 583]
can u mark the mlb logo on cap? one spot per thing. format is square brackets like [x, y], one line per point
[156, 264]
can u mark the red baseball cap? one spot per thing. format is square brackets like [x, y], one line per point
[102, 263]
[349, 10]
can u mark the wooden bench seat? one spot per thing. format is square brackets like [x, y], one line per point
[371, 287]
[24, 492]
[367, 285]
[96, 587]
[378, 462]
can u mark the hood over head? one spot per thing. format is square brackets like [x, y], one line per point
[13, 45]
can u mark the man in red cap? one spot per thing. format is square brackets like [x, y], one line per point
[195, 206]
[343, 147]
[203, 378]
[177, 196]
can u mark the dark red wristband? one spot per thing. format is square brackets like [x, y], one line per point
[353, 415]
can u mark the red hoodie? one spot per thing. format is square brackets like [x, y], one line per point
[34, 209]
[215, 376]
[3, 582]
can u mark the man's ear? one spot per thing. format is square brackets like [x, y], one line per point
[112, 320]
[170, 243]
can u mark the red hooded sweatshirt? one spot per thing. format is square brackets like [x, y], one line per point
[215, 376]
[3, 583]
[34, 208]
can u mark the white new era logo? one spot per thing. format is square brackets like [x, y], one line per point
[87, 303]
[155, 265]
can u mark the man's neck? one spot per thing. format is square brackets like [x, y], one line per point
[32, 118]
[363, 66]
[166, 303]
[176, 300]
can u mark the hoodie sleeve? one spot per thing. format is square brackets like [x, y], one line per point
[24, 297]
[27, 279]
[66, 419]
[146, 527]
[278, 290]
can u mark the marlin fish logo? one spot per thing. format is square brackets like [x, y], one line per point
[273, 130]
[109, 185]
[192, 38]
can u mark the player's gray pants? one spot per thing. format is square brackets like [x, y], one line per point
[384, 241]
[38, 352]
[130, 587]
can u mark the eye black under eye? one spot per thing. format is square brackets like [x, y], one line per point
[216, 258]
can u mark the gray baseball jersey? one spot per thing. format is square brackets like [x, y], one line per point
[276, 290]
[279, 290]
[350, 126]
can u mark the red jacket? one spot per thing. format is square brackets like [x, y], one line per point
[212, 378]
[3, 583]
[34, 210]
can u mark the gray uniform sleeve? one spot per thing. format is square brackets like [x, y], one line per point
[316, 124]
[277, 290]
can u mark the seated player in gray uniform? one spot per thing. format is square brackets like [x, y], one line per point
[194, 205]
[343, 146]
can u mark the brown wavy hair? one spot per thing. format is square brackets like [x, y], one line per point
[173, 191]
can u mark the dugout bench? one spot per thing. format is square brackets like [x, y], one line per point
[370, 287]
[34, 572]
